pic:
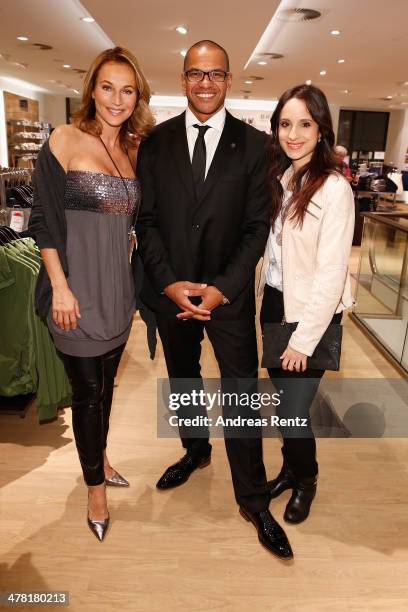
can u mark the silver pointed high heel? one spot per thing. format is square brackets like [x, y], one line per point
[99, 528]
[116, 480]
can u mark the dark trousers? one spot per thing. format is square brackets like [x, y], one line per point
[299, 390]
[235, 348]
[92, 380]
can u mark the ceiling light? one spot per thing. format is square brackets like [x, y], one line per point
[75, 91]
[298, 15]
[248, 82]
[262, 63]
[22, 38]
[274, 56]
[323, 72]
[66, 65]
[389, 97]
[181, 30]
[346, 91]
[341, 61]
[88, 19]
[183, 52]
[308, 82]
[335, 32]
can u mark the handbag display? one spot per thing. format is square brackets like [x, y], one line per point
[326, 356]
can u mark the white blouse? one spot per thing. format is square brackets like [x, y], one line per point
[274, 249]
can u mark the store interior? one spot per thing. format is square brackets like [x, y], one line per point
[189, 548]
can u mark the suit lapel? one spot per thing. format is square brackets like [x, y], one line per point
[181, 154]
[225, 151]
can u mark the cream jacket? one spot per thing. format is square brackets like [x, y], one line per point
[316, 282]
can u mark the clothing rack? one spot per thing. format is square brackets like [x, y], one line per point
[13, 178]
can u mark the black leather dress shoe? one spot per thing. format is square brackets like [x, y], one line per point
[180, 472]
[298, 507]
[284, 480]
[270, 533]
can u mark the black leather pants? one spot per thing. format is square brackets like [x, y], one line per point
[92, 380]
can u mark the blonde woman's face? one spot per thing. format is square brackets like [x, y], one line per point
[115, 93]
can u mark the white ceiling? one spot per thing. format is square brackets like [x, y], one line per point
[373, 41]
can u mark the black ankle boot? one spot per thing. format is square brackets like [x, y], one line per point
[298, 507]
[284, 480]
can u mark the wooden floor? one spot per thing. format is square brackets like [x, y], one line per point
[188, 548]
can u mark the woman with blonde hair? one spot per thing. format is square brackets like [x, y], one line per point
[85, 206]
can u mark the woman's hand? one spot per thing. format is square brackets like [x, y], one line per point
[293, 360]
[65, 308]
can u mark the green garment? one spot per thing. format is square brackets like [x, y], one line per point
[18, 373]
[39, 357]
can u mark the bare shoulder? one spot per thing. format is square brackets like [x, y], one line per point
[64, 142]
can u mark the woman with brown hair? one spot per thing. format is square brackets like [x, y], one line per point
[85, 203]
[304, 275]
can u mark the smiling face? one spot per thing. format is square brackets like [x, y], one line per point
[298, 132]
[206, 97]
[115, 93]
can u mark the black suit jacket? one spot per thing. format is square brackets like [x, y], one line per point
[216, 239]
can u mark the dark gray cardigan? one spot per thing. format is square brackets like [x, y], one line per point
[47, 222]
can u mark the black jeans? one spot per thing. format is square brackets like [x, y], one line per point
[92, 380]
[299, 444]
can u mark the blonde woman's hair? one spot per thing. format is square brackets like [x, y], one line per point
[141, 120]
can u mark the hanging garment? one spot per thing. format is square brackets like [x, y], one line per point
[31, 363]
[396, 177]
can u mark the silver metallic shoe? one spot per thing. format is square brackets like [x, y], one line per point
[116, 480]
[99, 528]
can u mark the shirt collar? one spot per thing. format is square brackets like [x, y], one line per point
[217, 121]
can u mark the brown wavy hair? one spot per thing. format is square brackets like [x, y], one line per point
[311, 176]
[141, 120]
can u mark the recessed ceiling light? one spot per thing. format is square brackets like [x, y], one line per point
[22, 38]
[346, 91]
[323, 72]
[389, 97]
[341, 61]
[66, 65]
[248, 82]
[262, 63]
[183, 52]
[308, 82]
[181, 30]
[335, 32]
[75, 91]
[88, 19]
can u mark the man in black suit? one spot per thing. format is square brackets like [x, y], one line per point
[202, 228]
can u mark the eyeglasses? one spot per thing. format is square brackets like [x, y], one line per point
[195, 76]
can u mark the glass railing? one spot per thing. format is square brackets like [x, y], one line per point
[381, 299]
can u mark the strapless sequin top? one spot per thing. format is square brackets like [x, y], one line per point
[99, 192]
[99, 211]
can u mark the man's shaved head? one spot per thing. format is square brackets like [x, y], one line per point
[206, 44]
